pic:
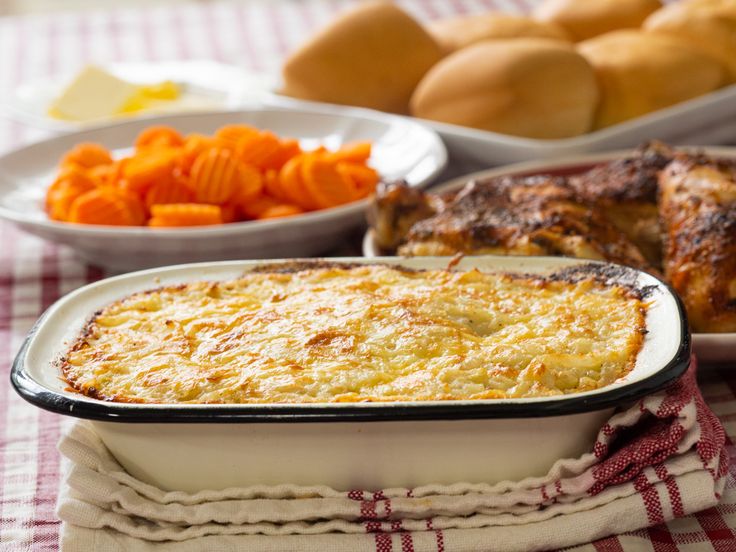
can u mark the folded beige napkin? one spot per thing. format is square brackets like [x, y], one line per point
[662, 458]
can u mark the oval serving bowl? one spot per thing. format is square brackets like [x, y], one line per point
[402, 149]
[195, 447]
[709, 347]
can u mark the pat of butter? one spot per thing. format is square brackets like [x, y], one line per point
[96, 94]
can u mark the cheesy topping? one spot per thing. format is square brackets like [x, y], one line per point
[360, 333]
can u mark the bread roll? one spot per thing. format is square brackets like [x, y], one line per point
[709, 25]
[587, 18]
[458, 32]
[533, 87]
[641, 72]
[371, 56]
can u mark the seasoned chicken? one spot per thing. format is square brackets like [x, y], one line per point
[626, 191]
[516, 216]
[698, 216]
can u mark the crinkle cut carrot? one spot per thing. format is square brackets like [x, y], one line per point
[185, 214]
[70, 184]
[159, 137]
[356, 152]
[293, 185]
[87, 155]
[194, 144]
[174, 190]
[101, 206]
[148, 168]
[259, 150]
[281, 210]
[255, 208]
[324, 183]
[249, 185]
[215, 176]
[230, 135]
[363, 179]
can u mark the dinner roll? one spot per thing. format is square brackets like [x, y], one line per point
[533, 87]
[587, 18]
[709, 25]
[371, 56]
[640, 72]
[458, 32]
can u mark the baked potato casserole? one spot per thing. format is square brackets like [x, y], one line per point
[329, 332]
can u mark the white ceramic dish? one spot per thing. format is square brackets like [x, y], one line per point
[709, 347]
[195, 447]
[402, 149]
[708, 119]
[205, 85]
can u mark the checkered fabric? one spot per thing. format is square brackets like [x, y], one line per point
[33, 274]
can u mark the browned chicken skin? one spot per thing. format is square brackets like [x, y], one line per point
[698, 213]
[658, 206]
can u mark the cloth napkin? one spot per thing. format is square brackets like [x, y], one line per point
[658, 459]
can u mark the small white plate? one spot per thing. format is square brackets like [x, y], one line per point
[401, 149]
[206, 85]
[709, 347]
[708, 119]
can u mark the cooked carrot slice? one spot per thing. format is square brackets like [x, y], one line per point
[272, 185]
[185, 214]
[101, 206]
[362, 179]
[147, 168]
[258, 149]
[324, 183]
[157, 137]
[215, 176]
[230, 135]
[87, 155]
[69, 186]
[293, 185]
[194, 144]
[257, 206]
[229, 212]
[281, 210]
[174, 190]
[357, 152]
[249, 186]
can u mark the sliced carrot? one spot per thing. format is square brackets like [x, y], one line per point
[87, 155]
[215, 176]
[258, 206]
[174, 190]
[250, 184]
[229, 212]
[194, 144]
[259, 149]
[65, 189]
[185, 214]
[157, 137]
[357, 152]
[147, 168]
[362, 179]
[324, 183]
[101, 206]
[292, 183]
[272, 185]
[281, 210]
[230, 135]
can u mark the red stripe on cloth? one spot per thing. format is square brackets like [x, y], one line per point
[383, 542]
[609, 544]
[177, 30]
[212, 35]
[275, 21]
[673, 490]
[721, 537]
[253, 60]
[650, 497]
[147, 35]
[407, 543]
[368, 509]
[661, 538]
[113, 32]
[440, 539]
[355, 494]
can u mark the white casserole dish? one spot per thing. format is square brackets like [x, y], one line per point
[347, 445]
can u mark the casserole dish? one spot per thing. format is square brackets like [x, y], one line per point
[709, 347]
[191, 447]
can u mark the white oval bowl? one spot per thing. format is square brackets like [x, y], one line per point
[409, 444]
[402, 149]
[709, 347]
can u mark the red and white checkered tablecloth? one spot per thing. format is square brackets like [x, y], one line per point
[34, 273]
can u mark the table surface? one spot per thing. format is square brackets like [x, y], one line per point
[33, 273]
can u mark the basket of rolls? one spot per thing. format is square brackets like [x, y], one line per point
[568, 77]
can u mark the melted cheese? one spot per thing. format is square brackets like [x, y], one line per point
[368, 333]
